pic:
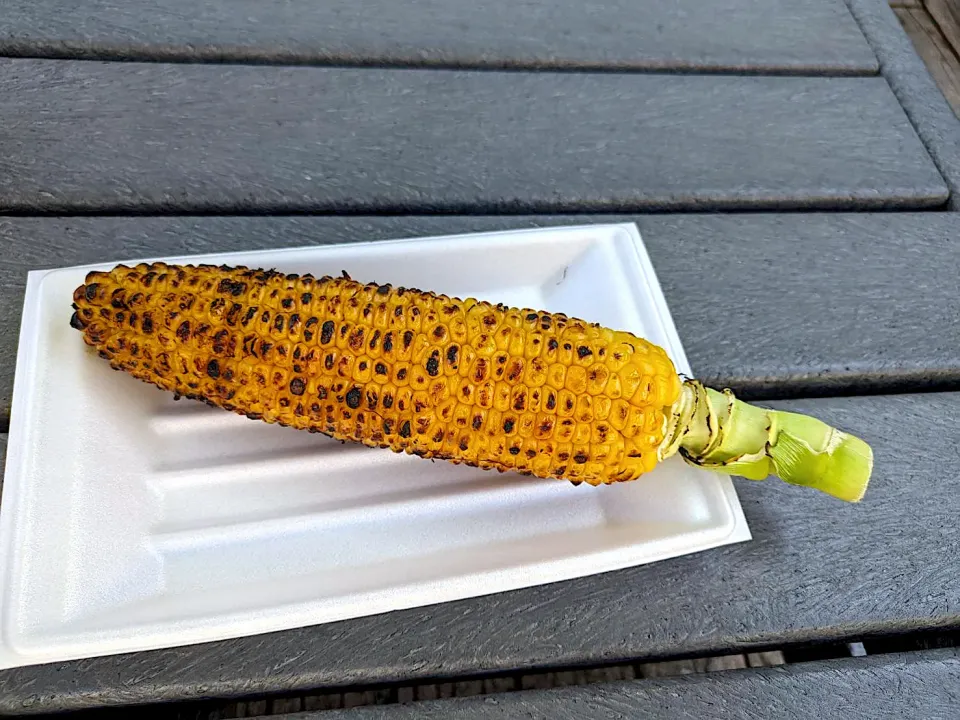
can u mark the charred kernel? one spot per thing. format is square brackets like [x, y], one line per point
[508, 426]
[402, 374]
[387, 426]
[293, 323]
[374, 340]
[249, 316]
[75, 322]
[213, 368]
[398, 312]
[278, 323]
[567, 346]
[353, 398]
[328, 361]
[583, 351]
[286, 303]
[387, 400]
[380, 369]
[514, 450]
[306, 298]
[452, 354]
[439, 332]
[433, 365]
[147, 323]
[405, 429]
[477, 422]
[383, 289]
[326, 332]
[322, 392]
[580, 458]
[297, 386]
[463, 444]
[407, 339]
[388, 342]
[552, 344]
[90, 292]
[265, 317]
[183, 332]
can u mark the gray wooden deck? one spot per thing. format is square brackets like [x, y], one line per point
[795, 172]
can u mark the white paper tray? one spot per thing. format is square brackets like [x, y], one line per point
[131, 522]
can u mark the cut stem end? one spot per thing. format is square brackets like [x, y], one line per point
[715, 430]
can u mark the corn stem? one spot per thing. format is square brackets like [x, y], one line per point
[716, 431]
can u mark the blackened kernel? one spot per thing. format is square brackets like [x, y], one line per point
[183, 332]
[508, 426]
[306, 298]
[322, 392]
[249, 316]
[383, 289]
[286, 303]
[433, 366]
[398, 311]
[388, 401]
[388, 342]
[463, 444]
[278, 323]
[407, 339]
[401, 374]
[147, 323]
[580, 458]
[265, 317]
[374, 340]
[477, 422]
[326, 332]
[353, 398]
[328, 362]
[380, 369]
[213, 368]
[532, 317]
[583, 351]
[362, 365]
[297, 386]
[293, 322]
[90, 292]
[452, 354]
[405, 429]
[552, 344]
[514, 450]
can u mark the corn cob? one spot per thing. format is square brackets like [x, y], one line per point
[511, 389]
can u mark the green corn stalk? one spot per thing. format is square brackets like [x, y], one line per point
[716, 431]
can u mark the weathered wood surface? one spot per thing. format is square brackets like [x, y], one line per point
[946, 13]
[931, 44]
[931, 114]
[152, 137]
[814, 36]
[771, 305]
[817, 570]
[921, 685]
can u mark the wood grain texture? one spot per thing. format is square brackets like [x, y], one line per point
[817, 570]
[775, 35]
[152, 137]
[771, 305]
[925, 105]
[937, 54]
[921, 685]
[946, 14]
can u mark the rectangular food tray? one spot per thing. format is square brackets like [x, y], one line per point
[130, 521]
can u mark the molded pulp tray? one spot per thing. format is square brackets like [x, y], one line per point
[130, 521]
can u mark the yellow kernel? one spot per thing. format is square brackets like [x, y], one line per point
[565, 430]
[514, 370]
[536, 373]
[614, 387]
[576, 380]
[485, 395]
[619, 414]
[584, 411]
[556, 375]
[533, 345]
[597, 377]
[501, 398]
[601, 407]
[528, 423]
[363, 369]
[567, 403]
[630, 379]
[544, 426]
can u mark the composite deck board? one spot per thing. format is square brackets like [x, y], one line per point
[155, 137]
[770, 304]
[776, 35]
[817, 569]
[920, 685]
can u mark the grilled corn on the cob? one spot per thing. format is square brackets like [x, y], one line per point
[463, 380]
